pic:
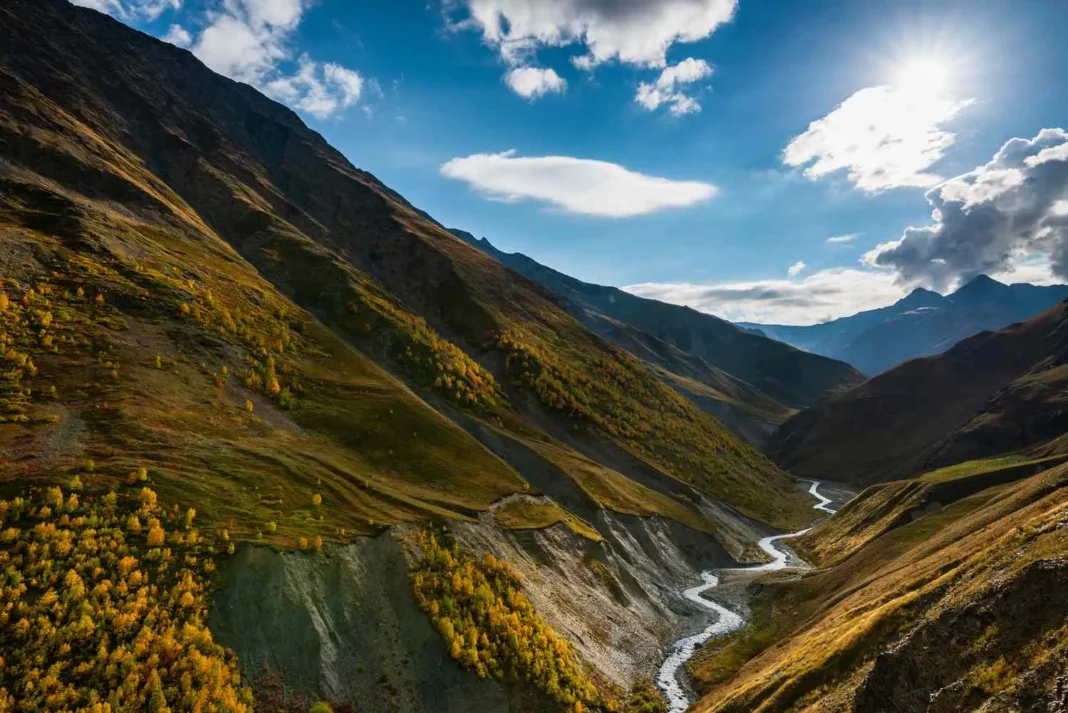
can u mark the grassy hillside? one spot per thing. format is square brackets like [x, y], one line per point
[990, 394]
[960, 608]
[221, 232]
[755, 381]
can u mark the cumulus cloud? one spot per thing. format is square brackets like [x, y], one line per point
[882, 137]
[534, 82]
[575, 185]
[637, 32]
[796, 269]
[666, 89]
[1013, 208]
[250, 41]
[178, 36]
[842, 239]
[247, 39]
[131, 10]
[634, 32]
[320, 90]
[819, 297]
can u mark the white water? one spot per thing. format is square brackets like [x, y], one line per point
[667, 679]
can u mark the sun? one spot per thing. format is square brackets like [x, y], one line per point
[923, 76]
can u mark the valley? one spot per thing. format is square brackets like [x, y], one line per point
[272, 438]
[727, 621]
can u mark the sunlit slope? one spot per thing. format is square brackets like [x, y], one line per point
[362, 333]
[755, 381]
[962, 608]
[991, 394]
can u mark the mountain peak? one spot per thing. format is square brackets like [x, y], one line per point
[982, 281]
[920, 297]
[980, 287]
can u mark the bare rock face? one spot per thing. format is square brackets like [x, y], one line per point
[344, 628]
[618, 600]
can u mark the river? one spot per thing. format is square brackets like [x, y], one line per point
[668, 678]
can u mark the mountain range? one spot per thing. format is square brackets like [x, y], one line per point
[749, 382]
[272, 438]
[993, 393]
[921, 324]
[207, 306]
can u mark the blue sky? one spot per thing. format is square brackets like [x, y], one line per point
[697, 151]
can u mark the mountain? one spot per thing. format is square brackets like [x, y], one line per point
[751, 382]
[993, 393]
[251, 393]
[938, 594]
[921, 324]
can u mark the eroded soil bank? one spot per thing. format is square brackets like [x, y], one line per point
[345, 627]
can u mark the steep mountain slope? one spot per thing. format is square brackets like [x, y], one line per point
[922, 324]
[990, 394]
[748, 374]
[205, 160]
[218, 334]
[955, 602]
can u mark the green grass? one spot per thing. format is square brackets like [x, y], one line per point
[981, 467]
[376, 452]
[526, 514]
[613, 491]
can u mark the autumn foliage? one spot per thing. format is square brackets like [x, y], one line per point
[491, 627]
[103, 606]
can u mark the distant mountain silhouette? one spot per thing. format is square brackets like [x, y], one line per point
[746, 380]
[922, 324]
[991, 394]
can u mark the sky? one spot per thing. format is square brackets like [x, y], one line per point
[784, 162]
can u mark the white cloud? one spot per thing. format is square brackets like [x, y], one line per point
[131, 10]
[883, 137]
[576, 185]
[534, 82]
[178, 36]
[821, 296]
[250, 41]
[634, 32]
[665, 90]
[1033, 269]
[991, 218]
[796, 269]
[247, 39]
[320, 90]
[637, 32]
[842, 239]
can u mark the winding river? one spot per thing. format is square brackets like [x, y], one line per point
[668, 679]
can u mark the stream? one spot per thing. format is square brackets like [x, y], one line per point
[668, 678]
